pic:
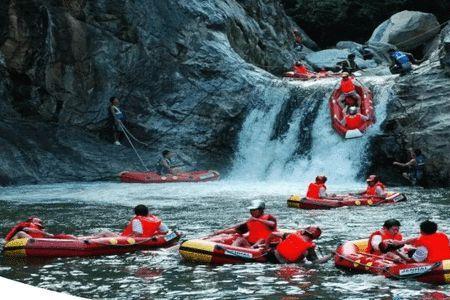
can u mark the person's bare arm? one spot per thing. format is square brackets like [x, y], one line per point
[33, 230]
[407, 164]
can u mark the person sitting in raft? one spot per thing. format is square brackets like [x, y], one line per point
[117, 118]
[165, 165]
[256, 229]
[375, 188]
[354, 119]
[32, 228]
[416, 166]
[349, 96]
[317, 189]
[430, 247]
[143, 224]
[380, 241]
[401, 62]
[299, 70]
[294, 247]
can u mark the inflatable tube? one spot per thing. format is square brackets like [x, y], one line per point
[367, 109]
[217, 250]
[152, 177]
[339, 201]
[350, 256]
[85, 246]
[310, 76]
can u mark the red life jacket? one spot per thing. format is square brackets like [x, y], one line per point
[301, 70]
[35, 235]
[16, 229]
[353, 122]
[257, 230]
[372, 190]
[385, 235]
[293, 247]
[436, 244]
[150, 225]
[314, 190]
[347, 86]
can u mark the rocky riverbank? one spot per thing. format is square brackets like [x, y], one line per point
[187, 74]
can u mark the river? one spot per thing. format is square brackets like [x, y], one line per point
[197, 210]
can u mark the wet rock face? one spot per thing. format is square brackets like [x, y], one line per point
[182, 70]
[407, 30]
[444, 52]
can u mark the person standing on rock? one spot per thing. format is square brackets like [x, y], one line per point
[416, 166]
[401, 62]
[117, 117]
[298, 40]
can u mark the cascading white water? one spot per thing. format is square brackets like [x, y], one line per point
[289, 156]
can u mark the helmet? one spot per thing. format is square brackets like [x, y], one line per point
[372, 178]
[344, 74]
[257, 204]
[353, 110]
[313, 231]
[321, 178]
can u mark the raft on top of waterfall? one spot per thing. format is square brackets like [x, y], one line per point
[358, 115]
[343, 200]
[154, 177]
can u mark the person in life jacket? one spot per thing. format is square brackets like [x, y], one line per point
[349, 65]
[430, 247]
[117, 117]
[143, 224]
[349, 96]
[353, 119]
[166, 165]
[256, 229]
[375, 188]
[300, 69]
[380, 241]
[317, 189]
[294, 247]
[298, 40]
[32, 228]
[401, 61]
[416, 166]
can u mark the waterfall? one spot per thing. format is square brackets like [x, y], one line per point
[290, 138]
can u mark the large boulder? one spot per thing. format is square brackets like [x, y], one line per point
[407, 30]
[444, 52]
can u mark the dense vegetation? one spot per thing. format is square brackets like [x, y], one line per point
[330, 21]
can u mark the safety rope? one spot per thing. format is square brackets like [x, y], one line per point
[423, 33]
[132, 145]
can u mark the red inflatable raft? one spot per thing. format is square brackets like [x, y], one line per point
[367, 109]
[350, 256]
[218, 250]
[339, 201]
[309, 76]
[86, 246]
[152, 177]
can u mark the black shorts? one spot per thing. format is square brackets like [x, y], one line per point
[271, 257]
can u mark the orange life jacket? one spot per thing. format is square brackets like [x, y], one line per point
[293, 247]
[36, 235]
[347, 86]
[301, 70]
[150, 225]
[314, 190]
[436, 244]
[372, 190]
[257, 230]
[385, 235]
[353, 122]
